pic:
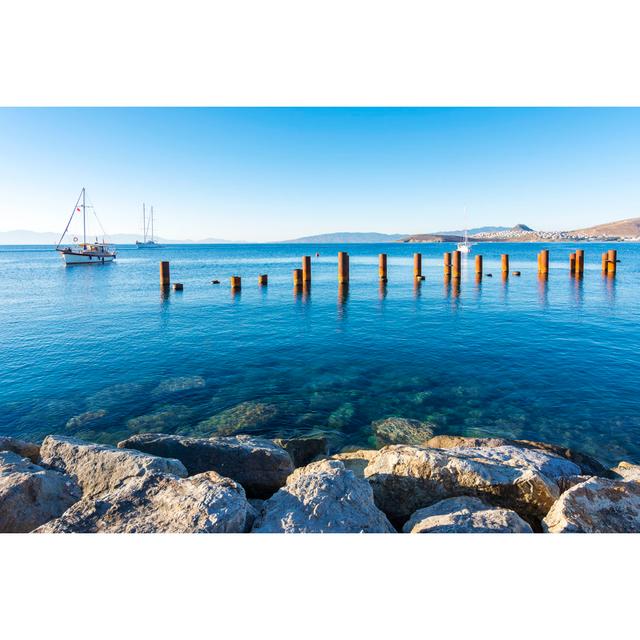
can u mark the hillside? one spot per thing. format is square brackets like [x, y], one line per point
[629, 228]
[347, 237]
[431, 237]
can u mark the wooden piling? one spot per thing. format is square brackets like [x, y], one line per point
[455, 267]
[479, 266]
[612, 262]
[605, 260]
[382, 267]
[306, 268]
[447, 265]
[579, 262]
[263, 280]
[343, 267]
[236, 282]
[572, 263]
[178, 286]
[417, 265]
[543, 262]
[297, 277]
[505, 264]
[165, 274]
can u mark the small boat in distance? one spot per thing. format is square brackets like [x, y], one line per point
[147, 242]
[85, 252]
[465, 247]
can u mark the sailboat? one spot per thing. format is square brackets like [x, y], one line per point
[465, 247]
[147, 242]
[85, 252]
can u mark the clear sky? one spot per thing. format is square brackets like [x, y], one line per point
[272, 174]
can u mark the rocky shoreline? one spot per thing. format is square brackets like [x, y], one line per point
[159, 483]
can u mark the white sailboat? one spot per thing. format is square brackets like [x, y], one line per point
[147, 242]
[85, 252]
[465, 247]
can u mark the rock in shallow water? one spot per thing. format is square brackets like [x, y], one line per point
[31, 495]
[160, 503]
[322, 497]
[465, 515]
[259, 465]
[99, 468]
[244, 416]
[23, 448]
[598, 505]
[405, 479]
[176, 385]
[396, 430]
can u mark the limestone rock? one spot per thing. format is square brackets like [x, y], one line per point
[395, 430]
[626, 471]
[304, 449]
[31, 495]
[23, 448]
[179, 384]
[259, 465]
[406, 479]
[242, 417]
[85, 418]
[322, 497]
[599, 505]
[99, 468]
[465, 515]
[356, 461]
[161, 503]
[588, 466]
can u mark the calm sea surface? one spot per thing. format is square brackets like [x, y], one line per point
[99, 353]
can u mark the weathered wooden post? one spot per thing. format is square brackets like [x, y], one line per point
[263, 280]
[605, 259]
[479, 266]
[579, 262]
[297, 278]
[165, 274]
[543, 262]
[236, 282]
[382, 267]
[343, 267]
[447, 265]
[612, 262]
[572, 263]
[306, 269]
[455, 267]
[178, 286]
[417, 265]
[505, 265]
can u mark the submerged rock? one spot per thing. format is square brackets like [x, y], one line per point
[588, 465]
[304, 449]
[23, 448]
[406, 478]
[465, 515]
[244, 416]
[598, 505]
[259, 465]
[31, 495]
[176, 385]
[116, 395]
[356, 461]
[160, 503]
[164, 419]
[395, 430]
[322, 497]
[342, 416]
[99, 468]
[85, 418]
[626, 471]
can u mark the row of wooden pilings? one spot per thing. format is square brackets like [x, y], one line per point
[452, 268]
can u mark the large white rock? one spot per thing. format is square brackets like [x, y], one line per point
[465, 515]
[356, 461]
[31, 495]
[23, 448]
[160, 503]
[100, 468]
[259, 465]
[405, 479]
[626, 471]
[322, 497]
[598, 505]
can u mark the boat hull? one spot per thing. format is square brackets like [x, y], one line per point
[81, 258]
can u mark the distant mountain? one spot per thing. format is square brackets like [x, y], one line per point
[344, 237]
[37, 237]
[432, 237]
[629, 228]
[521, 227]
[471, 232]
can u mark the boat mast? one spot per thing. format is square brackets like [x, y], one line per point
[151, 223]
[144, 224]
[84, 218]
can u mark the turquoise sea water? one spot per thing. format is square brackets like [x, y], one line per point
[100, 353]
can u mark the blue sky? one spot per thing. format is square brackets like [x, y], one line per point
[271, 174]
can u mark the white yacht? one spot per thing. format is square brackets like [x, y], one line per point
[148, 241]
[84, 252]
[465, 247]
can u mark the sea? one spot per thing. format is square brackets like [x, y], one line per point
[102, 352]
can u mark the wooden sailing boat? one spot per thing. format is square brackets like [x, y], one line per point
[85, 252]
[148, 242]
